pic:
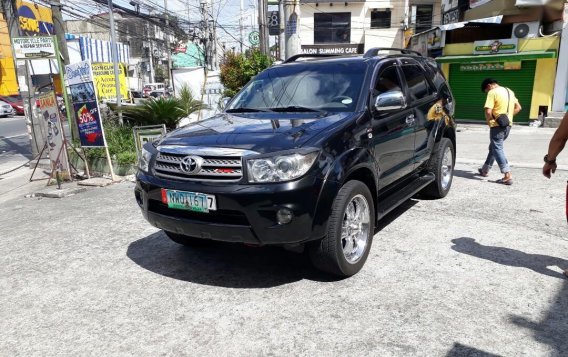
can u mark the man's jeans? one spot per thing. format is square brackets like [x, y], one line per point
[497, 136]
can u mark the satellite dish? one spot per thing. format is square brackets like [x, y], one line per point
[521, 31]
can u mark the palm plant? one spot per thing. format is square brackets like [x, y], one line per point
[188, 103]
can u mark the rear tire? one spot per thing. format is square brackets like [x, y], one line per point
[442, 166]
[187, 241]
[351, 227]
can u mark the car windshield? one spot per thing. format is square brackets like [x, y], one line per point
[331, 86]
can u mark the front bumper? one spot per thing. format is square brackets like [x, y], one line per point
[245, 212]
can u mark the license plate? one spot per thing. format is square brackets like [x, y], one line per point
[191, 201]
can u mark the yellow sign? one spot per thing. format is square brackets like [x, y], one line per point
[105, 84]
[34, 19]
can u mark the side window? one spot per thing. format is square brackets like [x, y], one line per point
[387, 80]
[418, 86]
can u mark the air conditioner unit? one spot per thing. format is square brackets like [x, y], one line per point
[526, 30]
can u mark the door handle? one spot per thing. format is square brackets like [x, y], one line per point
[410, 120]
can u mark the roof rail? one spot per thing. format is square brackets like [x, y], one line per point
[372, 52]
[305, 55]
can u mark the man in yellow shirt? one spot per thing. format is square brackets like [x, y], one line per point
[500, 100]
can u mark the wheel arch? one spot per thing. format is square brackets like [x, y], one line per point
[356, 164]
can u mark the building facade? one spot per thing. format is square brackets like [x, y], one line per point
[347, 27]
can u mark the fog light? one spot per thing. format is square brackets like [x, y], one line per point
[284, 216]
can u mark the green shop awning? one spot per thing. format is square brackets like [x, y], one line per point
[523, 56]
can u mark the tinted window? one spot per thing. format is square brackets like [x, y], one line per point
[387, 80]
[381, 19]
[323, 86]
[417, 84]
[332, 27]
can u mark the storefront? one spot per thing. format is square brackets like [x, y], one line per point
[526, 66]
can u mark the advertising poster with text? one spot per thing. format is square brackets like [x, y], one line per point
[52, 124]
[89, 124]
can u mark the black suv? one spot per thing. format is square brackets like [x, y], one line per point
[310, 153]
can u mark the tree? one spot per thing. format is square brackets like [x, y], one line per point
[238, 69]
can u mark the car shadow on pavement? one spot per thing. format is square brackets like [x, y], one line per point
[506, 256]
[223, 264]
[395, 213]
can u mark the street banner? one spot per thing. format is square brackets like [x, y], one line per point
[91, 132]
[26, 48]
[55, 138]
[105, 84]
[79, 77]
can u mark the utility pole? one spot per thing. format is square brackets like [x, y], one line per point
[168, 49]
[114, 48]
[292, 18]
[59, 28]
[241, 24]
[281, 36]
[262, 28]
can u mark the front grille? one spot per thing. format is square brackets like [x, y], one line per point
[215, 168]
[220, 216]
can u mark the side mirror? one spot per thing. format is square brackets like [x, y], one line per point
[391, 100]
[225, 101]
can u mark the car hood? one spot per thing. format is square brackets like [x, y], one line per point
[259, 132]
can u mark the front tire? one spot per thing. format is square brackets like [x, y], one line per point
[187, 241]
[351, 227]
[442, 166]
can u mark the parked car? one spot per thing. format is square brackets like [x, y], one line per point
[150, 87]
[5, 109]
[310, 154]
[15, 101]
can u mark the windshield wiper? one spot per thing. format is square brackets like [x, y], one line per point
[246, 110]
[296, 108]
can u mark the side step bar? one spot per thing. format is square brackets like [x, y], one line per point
[388, 203]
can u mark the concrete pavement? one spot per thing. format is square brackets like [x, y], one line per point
[475, 274]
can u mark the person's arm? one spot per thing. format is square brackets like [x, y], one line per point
[489, 104]
[518, 108]
[488, 114]
[557, 143]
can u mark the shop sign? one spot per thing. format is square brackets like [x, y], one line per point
[105, 83]
[33, 47]
[34, 19]
[335, 49]
[496, 66]
[492, 47]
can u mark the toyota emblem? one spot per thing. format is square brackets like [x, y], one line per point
[191, 164]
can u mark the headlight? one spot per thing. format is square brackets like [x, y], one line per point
[144, 161]
[280, 168]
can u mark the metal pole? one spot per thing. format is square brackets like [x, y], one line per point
[166, 32]
[263, 35]
[281, 36]
[114, 48]
[292, 18]
[241, 24]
